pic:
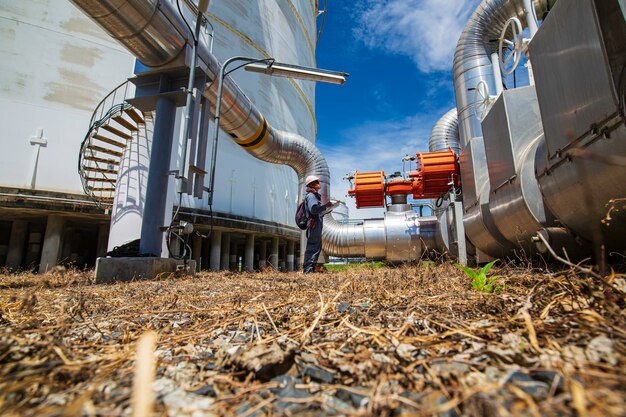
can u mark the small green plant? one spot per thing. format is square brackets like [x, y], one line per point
[480, 280]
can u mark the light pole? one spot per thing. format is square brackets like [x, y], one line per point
[270, 67]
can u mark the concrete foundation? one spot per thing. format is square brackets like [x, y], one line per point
[131, 269]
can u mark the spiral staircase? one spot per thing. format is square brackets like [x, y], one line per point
[113, 126]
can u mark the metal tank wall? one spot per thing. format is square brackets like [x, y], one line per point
[55, 66]
[284, 30]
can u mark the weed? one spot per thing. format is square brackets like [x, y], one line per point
[364, 265]
[480, 281]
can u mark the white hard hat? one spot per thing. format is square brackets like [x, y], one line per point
[311, 178]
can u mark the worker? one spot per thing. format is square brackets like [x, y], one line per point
[315, 210]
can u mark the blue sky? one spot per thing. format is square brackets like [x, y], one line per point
[399, 57]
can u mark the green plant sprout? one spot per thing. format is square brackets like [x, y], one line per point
[480, 281]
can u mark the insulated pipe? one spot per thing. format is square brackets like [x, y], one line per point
[147, 28]
[497, 74]
[473, 64]
[445, 134]
[472, 61]
[160, 38]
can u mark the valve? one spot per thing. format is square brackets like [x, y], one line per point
[369, 189]
[435, 170]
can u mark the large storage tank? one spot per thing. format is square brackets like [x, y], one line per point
[66, 83]
[55, 66]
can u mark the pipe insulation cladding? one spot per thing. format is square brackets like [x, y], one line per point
[155, 33]
[472, 65]
[445, 134]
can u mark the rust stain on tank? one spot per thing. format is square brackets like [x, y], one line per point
[7, 34]
[82, 25]
[80, 55]
[74, 89]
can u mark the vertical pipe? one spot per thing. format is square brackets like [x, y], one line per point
[263, 254]
[175, 246]
[52, 243]
[291, 247]
[188, 104]
[154, 211]
[249, 253]
[225, 257]
[274, 253]
[17, 244]
[497, 75]
[531, 19]
[459, 229]
[216, 245]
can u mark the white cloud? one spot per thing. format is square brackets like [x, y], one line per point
[427, 31]
[376, 146]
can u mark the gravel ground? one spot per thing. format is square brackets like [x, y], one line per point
[415, 340]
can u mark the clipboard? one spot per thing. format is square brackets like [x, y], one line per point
[331, 208]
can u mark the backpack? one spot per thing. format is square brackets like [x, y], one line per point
[302, 216]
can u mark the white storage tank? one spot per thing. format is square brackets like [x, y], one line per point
[55, 66]
[284, 30]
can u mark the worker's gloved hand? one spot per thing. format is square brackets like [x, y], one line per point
[328, 204]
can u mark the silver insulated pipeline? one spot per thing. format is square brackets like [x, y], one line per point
[154, 32]
[445, 134]
[472, 57]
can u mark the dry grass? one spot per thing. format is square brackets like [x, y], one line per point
[405, 341]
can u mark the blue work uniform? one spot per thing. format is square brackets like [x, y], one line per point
[316, 210]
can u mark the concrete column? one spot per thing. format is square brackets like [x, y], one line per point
[196, 250]
[225, 257]
[17, 244]
[274, 253]
[303, 241]
[249, 254]
[232, 262]
[263, 254]
[52, 243]
[158, 176]
[291, 247]
[217, 240]
[103, 239]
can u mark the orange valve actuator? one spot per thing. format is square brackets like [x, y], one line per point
[434, 172]
[399, 187]
[369, 189]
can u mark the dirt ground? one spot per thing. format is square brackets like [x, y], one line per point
[415, 340]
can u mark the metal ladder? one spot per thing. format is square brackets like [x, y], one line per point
[112, 127]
